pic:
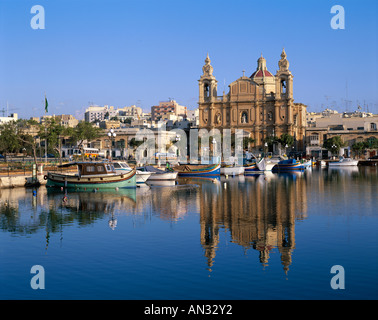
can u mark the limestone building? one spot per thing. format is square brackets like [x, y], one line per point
[261, 104]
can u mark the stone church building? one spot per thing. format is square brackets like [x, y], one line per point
[261, 104]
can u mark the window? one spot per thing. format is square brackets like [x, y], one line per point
[100, 169]
[90, 169]
[373, 126]
[117, 165]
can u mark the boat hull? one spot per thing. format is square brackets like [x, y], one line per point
[288, 165]
[232, 171]
[141, 176]
[163, 176]
[198, 171]
[343, 164]
[115, 181]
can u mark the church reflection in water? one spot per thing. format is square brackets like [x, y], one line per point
[259, 212]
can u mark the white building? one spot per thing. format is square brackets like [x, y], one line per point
[13, 117]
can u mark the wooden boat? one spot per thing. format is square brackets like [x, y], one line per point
[343, 162]
[123, 167]
[288, 165]
[91, 175]
[255, 167]
[190, 170]
[157, 174]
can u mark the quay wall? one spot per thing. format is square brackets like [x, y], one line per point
[14, 181]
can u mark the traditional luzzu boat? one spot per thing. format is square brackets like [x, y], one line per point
[255, 167]
[190, 170]
[91, 175]
[291, 164]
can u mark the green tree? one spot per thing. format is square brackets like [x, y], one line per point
[9, 141]
[359, 147]
[84, 131]
[286, 139]
[333, 144]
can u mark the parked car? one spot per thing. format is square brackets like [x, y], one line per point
[50, 155]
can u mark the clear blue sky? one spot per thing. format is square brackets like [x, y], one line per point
[144, 51]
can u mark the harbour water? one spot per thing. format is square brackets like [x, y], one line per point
[273, 236]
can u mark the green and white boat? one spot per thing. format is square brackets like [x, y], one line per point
[92, 175]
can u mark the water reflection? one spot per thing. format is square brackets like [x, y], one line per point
[258, 213]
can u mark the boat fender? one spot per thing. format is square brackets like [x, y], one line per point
[64, 199]
[45, 177]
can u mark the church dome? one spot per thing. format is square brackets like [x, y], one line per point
[261, 70]
[261, 73]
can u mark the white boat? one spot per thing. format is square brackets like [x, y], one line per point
[122, 167]
[157, 174]
[343, 162]
[271, 162]
[232, 170]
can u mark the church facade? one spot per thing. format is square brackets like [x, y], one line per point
[261, 104]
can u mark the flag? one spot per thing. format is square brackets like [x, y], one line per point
[46, 105]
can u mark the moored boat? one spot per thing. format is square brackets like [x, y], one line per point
[123, 167]
[343, 162]
[190, 170]
[158, 174]
[288, 165]
[91, 175]
[231, 170]
[255, 167]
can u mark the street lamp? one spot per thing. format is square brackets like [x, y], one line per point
[265, 148]
[111, 135]
[178, 138]
[333, 149]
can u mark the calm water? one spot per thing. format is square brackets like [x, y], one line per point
[269, 237]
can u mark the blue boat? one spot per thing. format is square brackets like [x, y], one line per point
[190, 170]
[290, 164]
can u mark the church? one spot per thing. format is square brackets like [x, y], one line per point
[261, 104]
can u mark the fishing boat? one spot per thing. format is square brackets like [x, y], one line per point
[190, 170]
[343, 162]
[255, 167]
[91, 175]
[158, 174]
[231, 170]
[123, 167]
[289, 164]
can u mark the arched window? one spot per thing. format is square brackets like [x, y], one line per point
[207, 90]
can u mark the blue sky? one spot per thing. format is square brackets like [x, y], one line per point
[143, 51]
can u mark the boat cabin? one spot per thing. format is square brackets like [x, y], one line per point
[92, 168]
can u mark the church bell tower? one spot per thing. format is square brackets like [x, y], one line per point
[207, 83]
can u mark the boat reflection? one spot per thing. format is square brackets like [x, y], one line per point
[258, 213]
